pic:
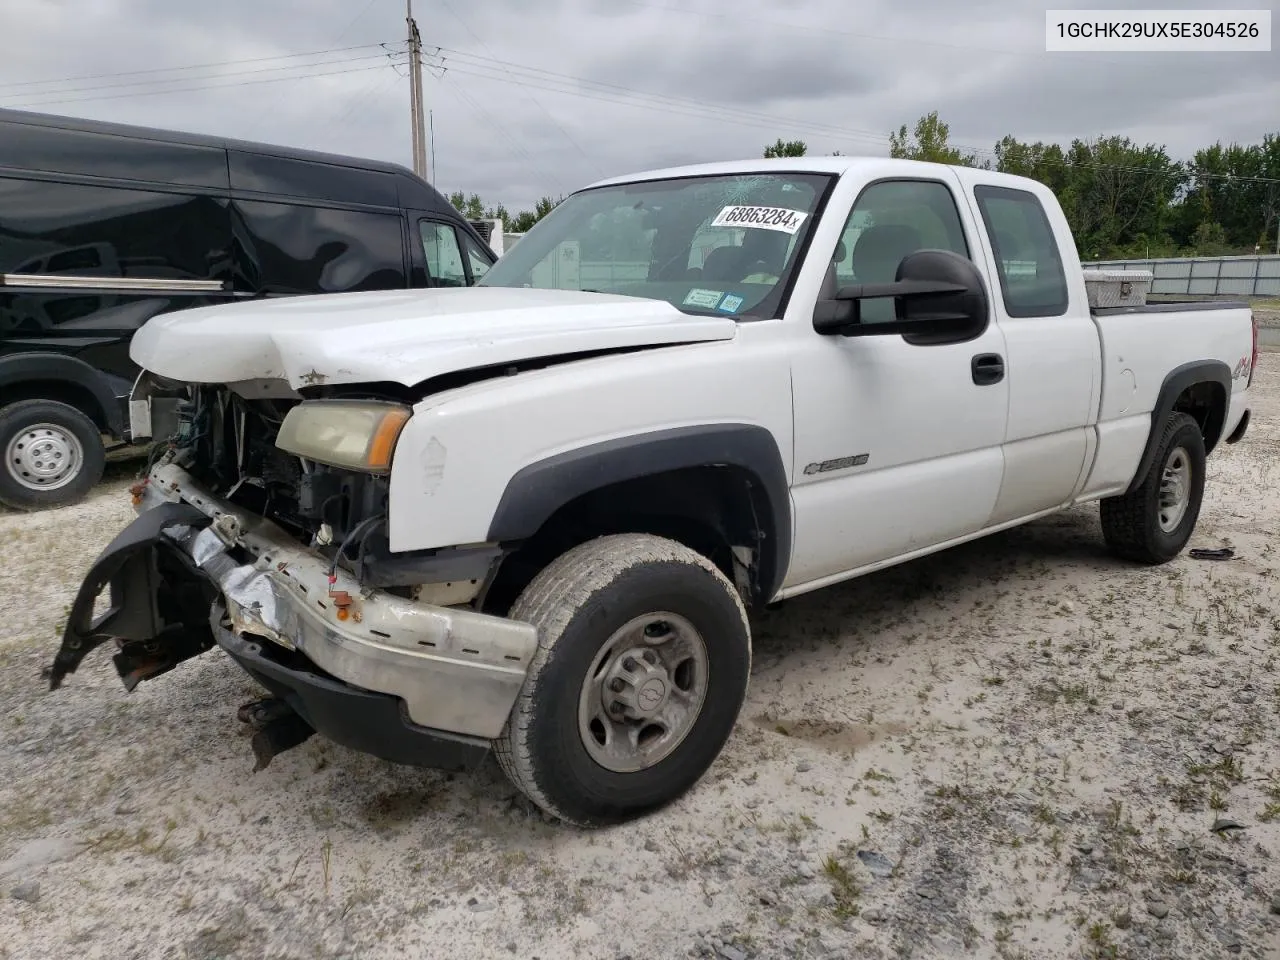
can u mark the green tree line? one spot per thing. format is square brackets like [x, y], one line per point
[473, 208]
[1123, 199]
[1126, 200]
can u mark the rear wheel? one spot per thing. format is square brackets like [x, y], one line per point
[52, 452]
[644, 652]
[1154, 522]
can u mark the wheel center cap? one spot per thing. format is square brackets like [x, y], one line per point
[651, 694]
[44, 458]
[637, 686]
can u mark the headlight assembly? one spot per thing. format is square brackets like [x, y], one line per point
[353, 434]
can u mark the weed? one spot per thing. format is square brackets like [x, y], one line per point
[844, 888]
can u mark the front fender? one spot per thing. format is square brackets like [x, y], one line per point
[485, 460]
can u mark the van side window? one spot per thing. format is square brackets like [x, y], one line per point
[1032, 279]
[297, 248]
[890, 220]
[477, 259]
[443, 255]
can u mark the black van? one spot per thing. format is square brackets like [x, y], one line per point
[103, 226]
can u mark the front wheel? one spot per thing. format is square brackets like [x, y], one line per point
[1154, 522]
[644, 651]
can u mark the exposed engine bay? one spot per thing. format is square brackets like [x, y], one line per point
[227, 442]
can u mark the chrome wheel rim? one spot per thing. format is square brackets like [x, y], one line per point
[643, 692]
[1175, 489]
[44, 456]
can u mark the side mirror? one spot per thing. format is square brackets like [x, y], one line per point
[938, 294]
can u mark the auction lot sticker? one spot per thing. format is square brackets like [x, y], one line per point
[760, 218]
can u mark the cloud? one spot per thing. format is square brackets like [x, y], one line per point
[535, 99]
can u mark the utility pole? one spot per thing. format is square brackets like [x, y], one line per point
[418, 128]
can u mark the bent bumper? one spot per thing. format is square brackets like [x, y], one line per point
[373, 723]
[454, 670]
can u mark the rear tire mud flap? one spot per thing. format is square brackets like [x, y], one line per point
[158, 614]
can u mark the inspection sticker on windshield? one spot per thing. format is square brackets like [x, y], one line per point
[707, 299]
[760, 218]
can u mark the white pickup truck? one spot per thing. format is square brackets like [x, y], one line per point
[530, 516]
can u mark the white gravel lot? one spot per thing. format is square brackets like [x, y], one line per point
[1017, 748]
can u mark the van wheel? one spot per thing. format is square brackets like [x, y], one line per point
[1154, 522]
[52, 452]
[644, 651]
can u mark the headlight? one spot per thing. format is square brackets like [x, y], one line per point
[355, 434]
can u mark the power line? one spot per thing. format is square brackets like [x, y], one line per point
[266, 112]
[536, 101]
[369, 90]
[469, 102]
[502, 71]
[472, 65]
[216, 76]
[608, 92]
[354, 20]
[193, 66]
[221, 86]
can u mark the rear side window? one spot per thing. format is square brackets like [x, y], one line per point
[1032, 280]
[284, 248]
[67, 228]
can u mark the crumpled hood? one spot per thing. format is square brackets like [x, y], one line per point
[403, 336]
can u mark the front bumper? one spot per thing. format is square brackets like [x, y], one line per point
[372, 723]
[454, 671]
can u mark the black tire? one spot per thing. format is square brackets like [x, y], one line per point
[66, 423]
[1131, 524]
[578, 603]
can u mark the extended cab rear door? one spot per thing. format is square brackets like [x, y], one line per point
[1053, 356]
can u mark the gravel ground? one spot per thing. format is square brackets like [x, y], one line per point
[1018, 748]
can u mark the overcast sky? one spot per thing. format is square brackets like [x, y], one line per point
[544, 96]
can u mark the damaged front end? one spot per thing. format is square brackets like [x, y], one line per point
[233, 548]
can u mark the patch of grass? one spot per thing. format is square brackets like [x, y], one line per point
[1099, 940]
[1072, 694]
[844, 888]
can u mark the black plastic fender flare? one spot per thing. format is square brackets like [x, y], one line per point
[540, 489]
[1178, 380]
[25, 367]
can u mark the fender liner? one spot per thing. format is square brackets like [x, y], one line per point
[25, 367]
[1178, 380]
[541, 488]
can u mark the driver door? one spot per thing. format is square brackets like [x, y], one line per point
[897, 444]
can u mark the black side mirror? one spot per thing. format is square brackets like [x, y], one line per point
[938, 294]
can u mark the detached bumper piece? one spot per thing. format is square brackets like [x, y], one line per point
[155, 600]
[402, 680]
[372, 723]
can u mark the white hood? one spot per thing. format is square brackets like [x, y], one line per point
[403, 336]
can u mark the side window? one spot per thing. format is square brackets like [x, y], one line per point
[890, 220]
[444, 256]
[296, 248]
[477, 259]
[1032, 280]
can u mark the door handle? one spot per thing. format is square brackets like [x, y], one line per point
[987, 368]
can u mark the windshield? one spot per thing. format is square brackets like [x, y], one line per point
[707, 245]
